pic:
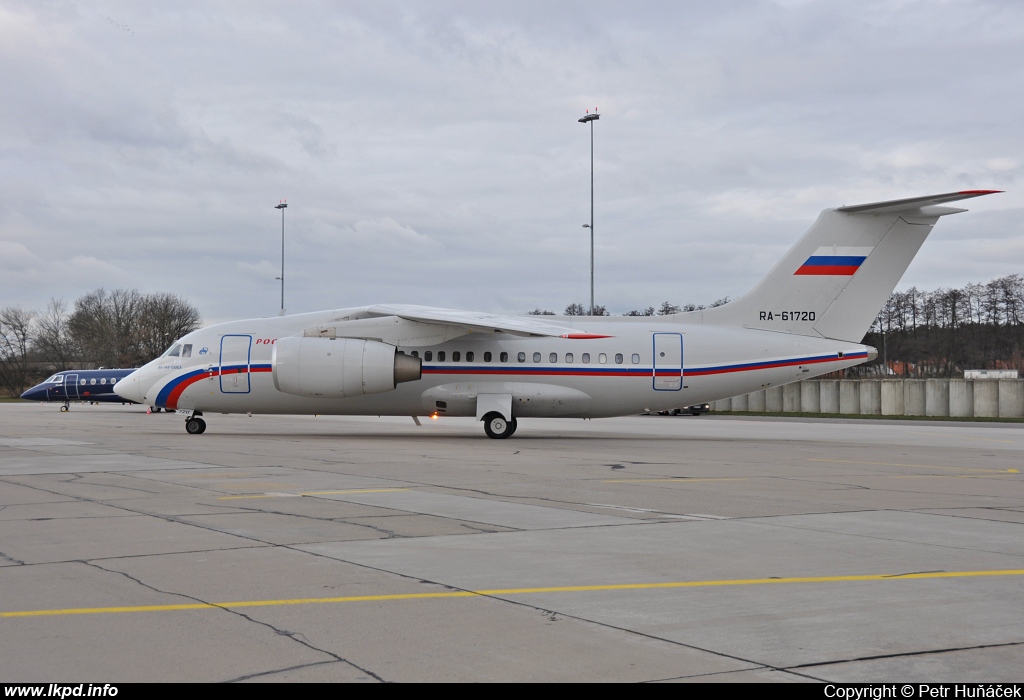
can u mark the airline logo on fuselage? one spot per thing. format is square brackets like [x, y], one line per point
[834, 260]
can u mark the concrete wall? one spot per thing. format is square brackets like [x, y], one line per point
[810, 396]
[986, 398]
[1011, 398]
[936, 397]
[958, 398]
[829, 395]
[891, 394]
[849, 396]
[791, 398]
[871, 398]
[913, 397]
[961, 398]
[755, 401]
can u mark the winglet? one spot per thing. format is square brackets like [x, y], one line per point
[913, 203]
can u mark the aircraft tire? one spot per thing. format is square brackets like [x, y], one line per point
[63, 409]
[195, 426]
[155, 409]
[497, 427]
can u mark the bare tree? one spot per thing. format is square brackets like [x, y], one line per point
[649, 311]
[540, 312]
[53, 340]
[668, 309]
[124, 328]
[16, 336]
[163, 319]
[575, 310]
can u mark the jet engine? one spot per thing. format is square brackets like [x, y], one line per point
[339, 367]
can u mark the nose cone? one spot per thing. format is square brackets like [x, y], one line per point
[872, 353]
[130, 388]
[36, 393]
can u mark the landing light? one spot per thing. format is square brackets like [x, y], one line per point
[433, 416]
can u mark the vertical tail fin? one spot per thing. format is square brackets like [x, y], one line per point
[835, 280]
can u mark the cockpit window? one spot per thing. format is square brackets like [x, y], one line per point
[173, 351]
[55, 379]
[186, 350]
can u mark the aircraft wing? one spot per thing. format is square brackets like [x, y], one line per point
[475, 321]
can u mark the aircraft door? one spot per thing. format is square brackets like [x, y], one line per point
[234, 363]
[668, 362]
[71, 386]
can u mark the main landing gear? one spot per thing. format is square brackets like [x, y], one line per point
[195, 425]
[64, 408]
[497, 427]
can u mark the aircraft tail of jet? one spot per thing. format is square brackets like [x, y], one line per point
[836, 279]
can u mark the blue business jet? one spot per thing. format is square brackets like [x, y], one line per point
[94, 385]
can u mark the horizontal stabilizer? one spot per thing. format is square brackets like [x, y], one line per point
[913, 203]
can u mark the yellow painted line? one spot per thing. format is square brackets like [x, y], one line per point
[515, 591]
[917, 466]
[675, 478]
[307, 493]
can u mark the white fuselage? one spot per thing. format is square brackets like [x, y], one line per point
[640, 363]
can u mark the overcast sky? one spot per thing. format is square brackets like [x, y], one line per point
[430, 151]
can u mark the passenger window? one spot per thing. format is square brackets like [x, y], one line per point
[586, 358]
[428, 355]
[521, 357]
[469, 356]
[186, 350]
[636, 358]
[568, 357]
[415, 353]
[456, 356]
[504, 357]
[536, 357]
[103, 381]
[618, 358]
[602, 358]
[82, 382]
[487, 357]
[553, 357]
[92, 381]
[440, 355]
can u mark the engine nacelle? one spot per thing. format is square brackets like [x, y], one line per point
[339, 367]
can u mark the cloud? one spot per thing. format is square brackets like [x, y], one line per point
[430, 153]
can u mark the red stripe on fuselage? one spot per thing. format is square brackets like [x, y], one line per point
[172, 398]
[845, 270]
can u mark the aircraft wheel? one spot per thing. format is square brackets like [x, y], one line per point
[63, 409]
[195, 426]
[497, 427]
[155, 409]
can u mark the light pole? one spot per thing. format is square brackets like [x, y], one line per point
[282, 206]
[583, 120]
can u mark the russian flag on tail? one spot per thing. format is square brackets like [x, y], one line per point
[834, 260]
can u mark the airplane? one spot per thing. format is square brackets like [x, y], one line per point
[92, 385]
[806, 318]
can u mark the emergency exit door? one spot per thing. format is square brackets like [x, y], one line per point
[234, 363]
[668, 362]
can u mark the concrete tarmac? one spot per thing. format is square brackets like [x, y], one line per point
[653, 548]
